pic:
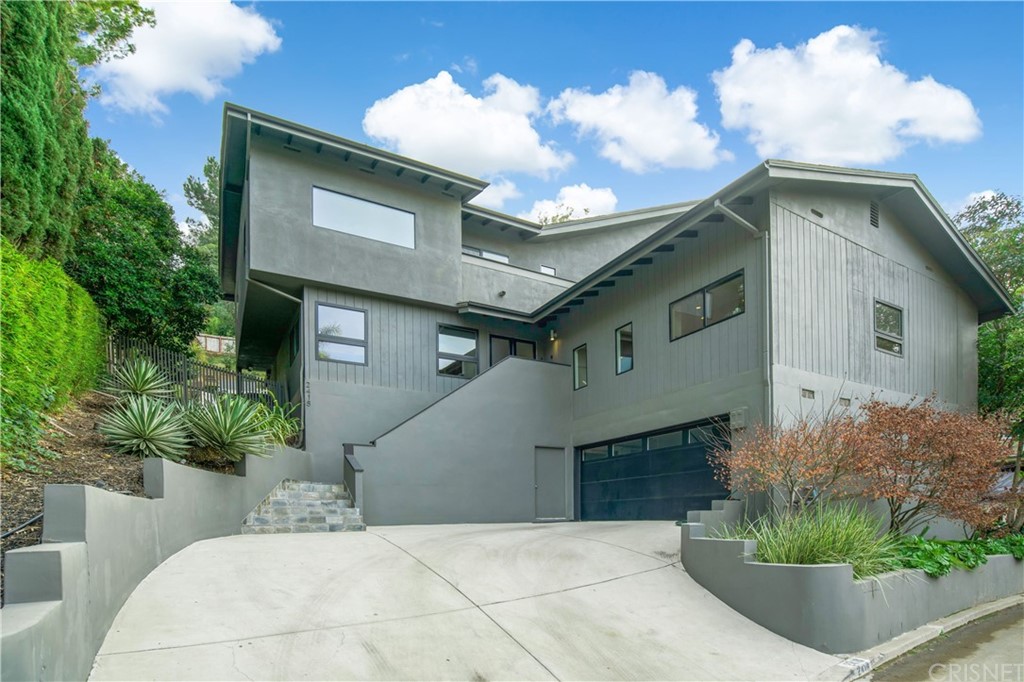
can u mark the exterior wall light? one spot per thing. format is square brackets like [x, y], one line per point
[552, 335]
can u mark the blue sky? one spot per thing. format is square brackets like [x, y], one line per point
[602, 106]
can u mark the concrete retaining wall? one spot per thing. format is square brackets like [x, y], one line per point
[62, 595]
[823, 607]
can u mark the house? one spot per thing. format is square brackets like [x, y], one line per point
[482, 367]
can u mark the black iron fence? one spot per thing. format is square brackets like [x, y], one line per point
[193, 380]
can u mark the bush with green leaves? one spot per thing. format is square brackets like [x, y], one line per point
[138, 375]
[227, 429]
[146, 427]
[939, 557]
[280, 421]
[51, 348]
[837, 533]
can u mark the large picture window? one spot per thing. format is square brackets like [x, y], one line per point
[340, 334]
[579, 367]
[714, 303]
[342, 213]
[457, 352]
[888, 328]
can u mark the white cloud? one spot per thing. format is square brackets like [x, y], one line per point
[642, 126]
[497, 193]
[580, 200]
[193, 48]
[467, 65]
[439, 122]
[833, 100]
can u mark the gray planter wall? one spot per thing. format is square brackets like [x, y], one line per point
[823, 607]
[97, 546]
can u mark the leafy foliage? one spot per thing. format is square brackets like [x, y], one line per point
[131, 257]
[140, 376]
[52, 348]
[147, 427]
[229, 428]
[925, 462]
[939, 557]
[801, 461]
[44, 137]
[839, 533]
[104, 27]
[202, 194]
[279, 421]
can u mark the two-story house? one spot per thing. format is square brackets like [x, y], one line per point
[486, 368]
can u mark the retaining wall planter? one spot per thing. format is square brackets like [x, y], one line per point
[823, 607]
[62, 595]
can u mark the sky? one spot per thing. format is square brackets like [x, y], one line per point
[593, 107]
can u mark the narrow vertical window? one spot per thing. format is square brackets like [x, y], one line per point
[888, 328]
[579, 367]
[624, 348]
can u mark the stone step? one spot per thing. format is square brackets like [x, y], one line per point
[304, 507]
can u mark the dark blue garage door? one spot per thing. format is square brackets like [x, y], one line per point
[652, 476]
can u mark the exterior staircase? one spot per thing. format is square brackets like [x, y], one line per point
[304, 507]
[722, 515]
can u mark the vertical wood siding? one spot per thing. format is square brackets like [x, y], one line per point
[662, 367]
[824, 289]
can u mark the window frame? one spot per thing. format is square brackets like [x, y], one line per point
[513, 345]
[576, 386]
[486, 254]
[704, 304]
[364, 343]
[439, 355]
[313, 222]
[618, 350]
[553, 270]
[879, 334]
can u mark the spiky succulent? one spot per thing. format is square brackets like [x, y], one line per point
[231, 426]
[143, 426]
[140, 376]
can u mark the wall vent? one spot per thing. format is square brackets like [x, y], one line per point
[817, 213]
[806, 393]
[874, 214]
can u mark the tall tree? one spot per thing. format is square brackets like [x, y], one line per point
[134, 262]
[202, 194]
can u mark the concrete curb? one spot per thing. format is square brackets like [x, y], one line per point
[858, 665]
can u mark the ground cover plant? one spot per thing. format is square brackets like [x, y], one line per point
[939, 557]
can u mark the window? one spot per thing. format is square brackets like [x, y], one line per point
[624, 348]
[600, 452]
[628, 447]
[502, 347]
[547, 270]
[342, 213]
[579, 367]
[484, 253]
[457, 352]
[713, 304]
[340, 334]
[888, 328]
[673, 439]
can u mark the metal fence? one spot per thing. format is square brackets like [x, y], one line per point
[193, 380]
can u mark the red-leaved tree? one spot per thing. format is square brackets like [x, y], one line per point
[796, 462]
[926, 462]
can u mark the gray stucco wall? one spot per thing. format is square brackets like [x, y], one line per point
[285, 242]
[97, 546]
[823, 607]
[469, 458]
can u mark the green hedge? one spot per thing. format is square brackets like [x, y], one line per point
[52, 345]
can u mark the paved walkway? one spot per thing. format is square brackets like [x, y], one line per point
[594, 601]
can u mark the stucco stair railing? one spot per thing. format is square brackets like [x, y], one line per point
[305, 507]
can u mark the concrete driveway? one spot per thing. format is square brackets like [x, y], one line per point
[573, 601]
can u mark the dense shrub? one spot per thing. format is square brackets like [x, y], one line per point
[838, 533]
[52, 347]
[279, 421]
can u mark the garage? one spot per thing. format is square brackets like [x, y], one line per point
[652, 476]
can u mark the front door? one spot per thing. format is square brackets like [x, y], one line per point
[549, 483]
[503, 346]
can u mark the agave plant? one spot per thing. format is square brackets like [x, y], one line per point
[279, 421]
[140, 425]
[228, 428]
[139, 376]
